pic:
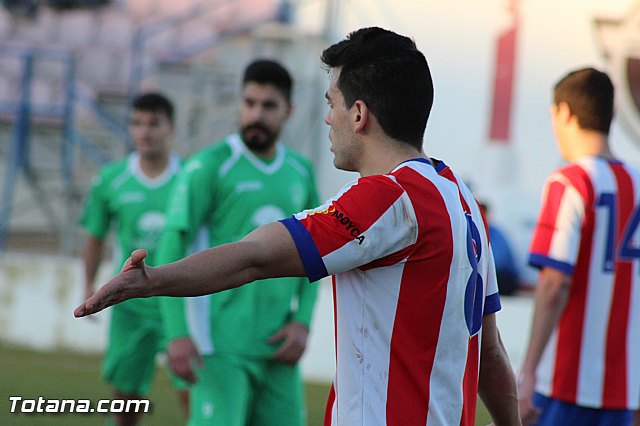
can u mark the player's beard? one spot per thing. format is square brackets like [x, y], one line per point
[258, 137]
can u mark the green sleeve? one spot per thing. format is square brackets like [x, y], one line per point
[192, 196]
[188, 205]
[172, 247]
[96, 216]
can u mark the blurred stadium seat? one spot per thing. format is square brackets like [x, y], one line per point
[77, 28]
[116, 30]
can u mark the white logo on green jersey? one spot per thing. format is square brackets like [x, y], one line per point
[131, 197]
[267, 214]
[251, 185]
[150, 226]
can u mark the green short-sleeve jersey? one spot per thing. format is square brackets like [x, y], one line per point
[224, 193]
[123, 198]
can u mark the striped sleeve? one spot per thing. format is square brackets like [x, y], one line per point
[556, 238]
[369, 220]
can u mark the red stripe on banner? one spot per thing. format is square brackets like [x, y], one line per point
[615, 374]
[565, 385]
[500, 130]
[541, 242]
[421, 302]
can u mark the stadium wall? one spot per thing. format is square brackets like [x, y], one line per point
[39, 292]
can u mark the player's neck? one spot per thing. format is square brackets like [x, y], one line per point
[386, 156]
[266, 155]
[154, 165]
[591, 144]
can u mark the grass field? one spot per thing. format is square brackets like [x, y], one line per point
[62, 375]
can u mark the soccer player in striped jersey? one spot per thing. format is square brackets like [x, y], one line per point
[583, 361]
[415, 291]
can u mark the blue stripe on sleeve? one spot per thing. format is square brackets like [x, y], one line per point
[492, 304]
[309, 254]
[540, 261]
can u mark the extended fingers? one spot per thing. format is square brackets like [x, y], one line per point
[88, 307]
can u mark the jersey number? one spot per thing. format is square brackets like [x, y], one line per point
[473, 295]
[626, 250]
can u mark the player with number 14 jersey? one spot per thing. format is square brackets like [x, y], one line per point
[587, 228]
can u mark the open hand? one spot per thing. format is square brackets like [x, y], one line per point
[128, 284]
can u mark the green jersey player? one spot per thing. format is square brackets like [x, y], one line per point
[248, 341]
[130, 197]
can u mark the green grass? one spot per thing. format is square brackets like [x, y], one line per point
[65, 375]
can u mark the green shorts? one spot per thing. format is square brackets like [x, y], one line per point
[236, 391]
[130, 358]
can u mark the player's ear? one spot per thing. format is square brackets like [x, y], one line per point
[563, 112]
[290, 109]
[359, 115]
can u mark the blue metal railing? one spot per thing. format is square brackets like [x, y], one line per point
[86, 97]
[24, 109]
[17, 160]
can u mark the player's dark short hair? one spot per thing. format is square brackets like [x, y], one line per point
[266, 71]
[589, 94]
[154, 102]
[388, 73]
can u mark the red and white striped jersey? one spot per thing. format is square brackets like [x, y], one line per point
[587, 228]
[413, 275]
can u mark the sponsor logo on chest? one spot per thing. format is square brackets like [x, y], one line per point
[249, 185]
[132, 197]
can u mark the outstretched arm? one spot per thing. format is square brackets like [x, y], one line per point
[267, 252]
